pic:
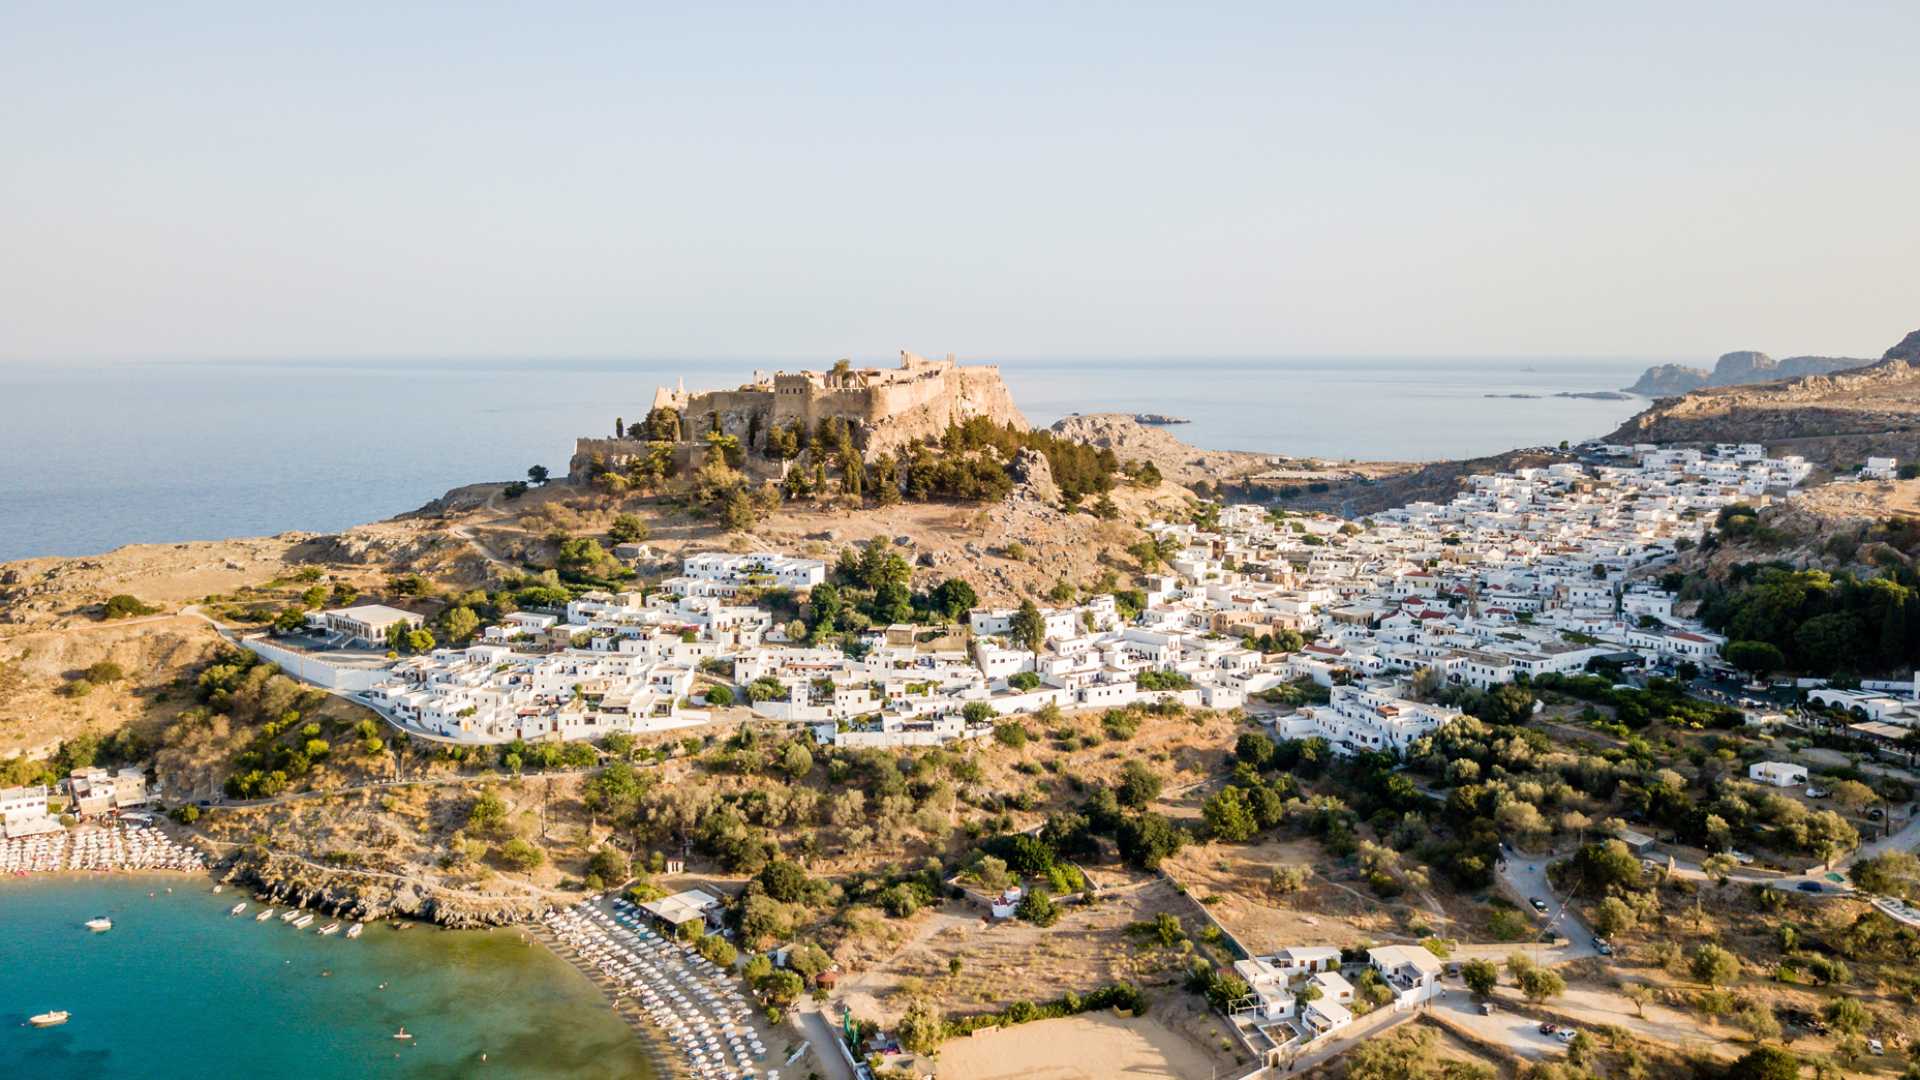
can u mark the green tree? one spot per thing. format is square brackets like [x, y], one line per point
[1481, 976]
[720, 696]
[1714, 965]
[1038, 908]
[1756, 658]
[1540, 984]
[954, 598]
[1229, 817]
[1029, 628]
[1139, 784]
[461, 623]
[1766, 1063]
[627, 529]
[537, 474]
[518, 854]
[1147, 838]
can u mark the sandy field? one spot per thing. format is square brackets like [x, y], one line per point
[1082, 1047]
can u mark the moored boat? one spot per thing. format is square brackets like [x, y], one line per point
[237, 908]
[330, 929]
[303, 922]
[264, 915]
[292, 913]
[99, 923]
[53, 1019]
[354, 930]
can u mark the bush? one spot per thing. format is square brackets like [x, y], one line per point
[517, 854]
[720, 696]
[123, 606]
[1038, 908]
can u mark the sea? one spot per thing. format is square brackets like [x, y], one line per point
[98, 455]
[180, 990]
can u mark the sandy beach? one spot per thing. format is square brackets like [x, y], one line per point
[1083, 1047]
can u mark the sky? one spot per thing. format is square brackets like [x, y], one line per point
[252, 181]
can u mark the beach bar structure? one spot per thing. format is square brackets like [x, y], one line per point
[693, 905]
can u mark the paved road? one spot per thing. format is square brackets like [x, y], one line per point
[826, 1059]
[1518, 1033]
[1525, 878]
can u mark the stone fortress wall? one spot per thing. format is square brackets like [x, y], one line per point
[886, 408]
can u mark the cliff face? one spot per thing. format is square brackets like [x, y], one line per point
[1835, 419]
[1742, 368]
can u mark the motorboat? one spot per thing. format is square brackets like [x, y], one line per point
[99, 924]
[303, 921]
[403, 1034]
[354, 930]
[264, 915]
[330, 929]
[292, 913]
[237, 908]
[49, 1019]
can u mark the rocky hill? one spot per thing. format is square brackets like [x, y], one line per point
[1831, 419]
[1132, 440]
[1743, 368]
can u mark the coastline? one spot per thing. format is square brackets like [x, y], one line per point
[621, 1005]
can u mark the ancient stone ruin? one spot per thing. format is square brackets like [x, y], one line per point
[884, 409]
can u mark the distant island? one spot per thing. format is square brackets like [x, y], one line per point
[1585, 395]
[1741, 368]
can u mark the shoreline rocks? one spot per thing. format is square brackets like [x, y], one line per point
[357, 895]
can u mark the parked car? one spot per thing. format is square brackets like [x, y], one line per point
[1548, 1029]
[1565, 1034]
[1808, 886]
[1818, 793]
[1486, 1008]
[1875, 1046]
[1539, 905]
[1741, 857]
[1600, 946]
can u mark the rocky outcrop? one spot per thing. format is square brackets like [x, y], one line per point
[1132, 440]
[1668, 380]
[1836, 418]
[366, 895]
[1033, 477]
[1743, 368]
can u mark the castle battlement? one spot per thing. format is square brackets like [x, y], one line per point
[885, 408]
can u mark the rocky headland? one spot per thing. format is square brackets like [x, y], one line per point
[1742, 368]
[1832, 419]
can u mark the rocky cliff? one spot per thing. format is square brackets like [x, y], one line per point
[1742, 368]
[1834, 419]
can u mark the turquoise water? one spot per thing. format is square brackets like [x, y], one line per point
[179, 989]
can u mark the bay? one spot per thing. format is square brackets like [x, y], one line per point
[179, 989]
[106, 454]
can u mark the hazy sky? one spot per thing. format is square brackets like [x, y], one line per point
[813, 180]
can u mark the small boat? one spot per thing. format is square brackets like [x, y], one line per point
[330, 929]
[303, 921]
[218, 889]
[99, 924]
[403, 1035]
[291, 914]
[264, 915]
[354, 930]
[237, 908]
[49, 1019]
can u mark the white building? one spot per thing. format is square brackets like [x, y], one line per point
[367, 624]
[1777, 773]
